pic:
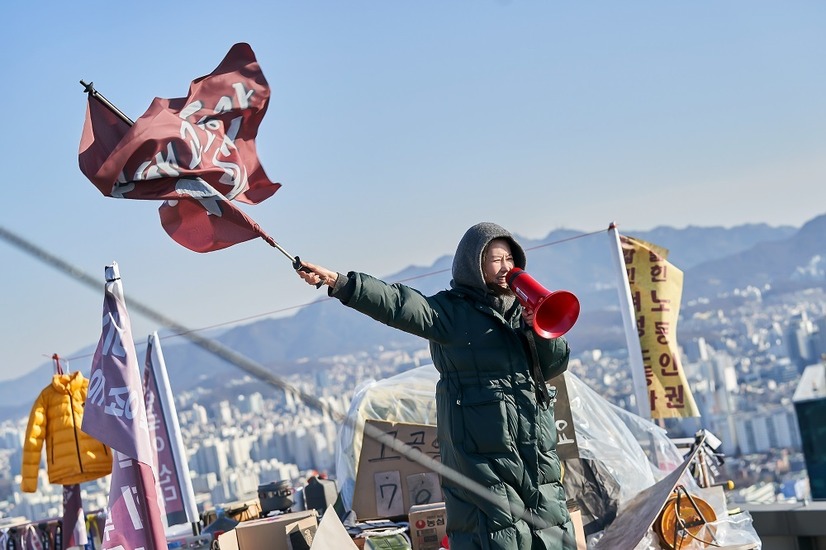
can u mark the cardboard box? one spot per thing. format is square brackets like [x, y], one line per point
[267, 533]
[427, 526]
[228, 541]
[387, 482]
[240, 510]
[300, 534]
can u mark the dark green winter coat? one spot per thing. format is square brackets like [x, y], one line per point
[490, 427]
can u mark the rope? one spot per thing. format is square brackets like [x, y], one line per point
[57, 368]
[259, 371]
[75, 272]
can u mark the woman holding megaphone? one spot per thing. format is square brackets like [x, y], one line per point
[495, 417]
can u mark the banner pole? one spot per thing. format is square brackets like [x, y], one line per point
[156, 366]
[629, 322]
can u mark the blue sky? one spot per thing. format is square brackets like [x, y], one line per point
[393, 126]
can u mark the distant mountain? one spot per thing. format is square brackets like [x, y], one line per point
[714, 259]
[796, 261]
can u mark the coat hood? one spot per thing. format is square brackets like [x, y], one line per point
[467, 262]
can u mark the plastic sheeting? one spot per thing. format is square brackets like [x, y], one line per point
[606, 434]
[407, 397]
[621, 454]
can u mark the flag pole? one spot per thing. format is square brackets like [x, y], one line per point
[629, 322]
[156, 368]
[89, 88]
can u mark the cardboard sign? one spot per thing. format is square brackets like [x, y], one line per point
[566, 445]
[389, 500]
[387, 482]
[423, 488]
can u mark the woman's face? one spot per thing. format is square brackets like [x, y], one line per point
[497, 262]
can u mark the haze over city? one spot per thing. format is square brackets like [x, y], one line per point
[395, 126]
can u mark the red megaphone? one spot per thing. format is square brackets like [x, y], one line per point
[554, 313]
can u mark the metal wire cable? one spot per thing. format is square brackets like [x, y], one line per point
[259, 371]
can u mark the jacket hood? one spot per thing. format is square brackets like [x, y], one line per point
[467, 262]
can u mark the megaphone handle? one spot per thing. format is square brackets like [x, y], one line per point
[298, 267]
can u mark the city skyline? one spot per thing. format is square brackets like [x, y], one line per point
[224, 436]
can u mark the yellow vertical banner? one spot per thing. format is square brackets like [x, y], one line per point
[656, 290]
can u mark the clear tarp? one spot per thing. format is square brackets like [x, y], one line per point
[604, 432]
[637, 452]
[620, 453]
[407, 397]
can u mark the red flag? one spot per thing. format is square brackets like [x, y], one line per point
[115, 414]
[197, 152]
[208, 224]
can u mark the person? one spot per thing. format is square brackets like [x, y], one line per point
[495, 417]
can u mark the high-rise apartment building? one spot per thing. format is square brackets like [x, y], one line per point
[810, 403]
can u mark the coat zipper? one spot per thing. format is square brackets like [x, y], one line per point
[74, 429]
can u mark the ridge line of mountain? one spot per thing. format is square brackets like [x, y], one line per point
[714, 260]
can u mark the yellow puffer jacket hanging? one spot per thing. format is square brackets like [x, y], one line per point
[72, 456]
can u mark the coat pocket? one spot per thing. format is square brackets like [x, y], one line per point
[484, 414]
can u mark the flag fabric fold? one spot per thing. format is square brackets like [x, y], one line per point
[656, 290]
[165, 431]
[116, 415]
[74, 521]
[31, 539]
[196, 152]
[206, 225]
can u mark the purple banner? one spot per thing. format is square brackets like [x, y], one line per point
[165, 431]
[74, 524]
[116, 415]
